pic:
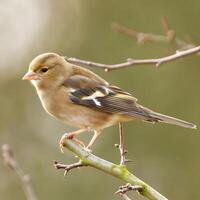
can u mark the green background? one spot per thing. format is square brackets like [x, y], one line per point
[166, 157]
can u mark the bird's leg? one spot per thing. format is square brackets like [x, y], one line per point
[70, 136]
[96, 134]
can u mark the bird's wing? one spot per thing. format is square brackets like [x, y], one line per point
[107, 98]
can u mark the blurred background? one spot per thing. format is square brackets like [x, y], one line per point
[166, 157]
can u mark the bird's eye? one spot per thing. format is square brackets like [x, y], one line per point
[44, 69]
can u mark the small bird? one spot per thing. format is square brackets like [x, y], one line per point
[82, 99]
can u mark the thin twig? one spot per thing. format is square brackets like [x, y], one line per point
[67, 168]
[171, 35]
[132, 62]
[140, 37]
[121, 144]
[168, 37]
[165, 25]
[126, 188]
[10, 161]
[119, 171]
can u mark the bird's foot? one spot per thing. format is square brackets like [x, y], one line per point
[69, 136]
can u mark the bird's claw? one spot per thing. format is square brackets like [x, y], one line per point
[70, 136]
[66, 136]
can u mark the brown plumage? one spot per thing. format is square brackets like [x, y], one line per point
[82, 99]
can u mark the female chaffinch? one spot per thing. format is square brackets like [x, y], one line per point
[82, 99]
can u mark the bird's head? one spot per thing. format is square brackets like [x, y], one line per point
[48, 69]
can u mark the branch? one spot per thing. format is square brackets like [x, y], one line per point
[119, 171]
[140, 37]
[9, 160]
[67, 168]
[168, 37]
[186, 48]
[131, 62]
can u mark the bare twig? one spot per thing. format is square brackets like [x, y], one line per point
[140, 37]
[119, 171]
[131, 62]
[128, 187]
[185, 48]
[170, 33]
[10, 161]
[168, 37]
[121, 145]
[67, 168]
[165, 25]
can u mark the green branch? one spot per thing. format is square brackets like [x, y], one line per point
[119, 171]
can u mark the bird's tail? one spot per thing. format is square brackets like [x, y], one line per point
[171, 120]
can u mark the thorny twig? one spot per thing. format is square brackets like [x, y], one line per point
[131, 62]
[67, 168]
[128, 187]
[121, 147]
[121, 144]
[9, 160]
[119, 171]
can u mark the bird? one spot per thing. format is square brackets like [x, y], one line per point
[80, 98]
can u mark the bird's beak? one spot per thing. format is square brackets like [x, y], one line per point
[30, 76]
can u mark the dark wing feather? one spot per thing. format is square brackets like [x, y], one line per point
[110, 99]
